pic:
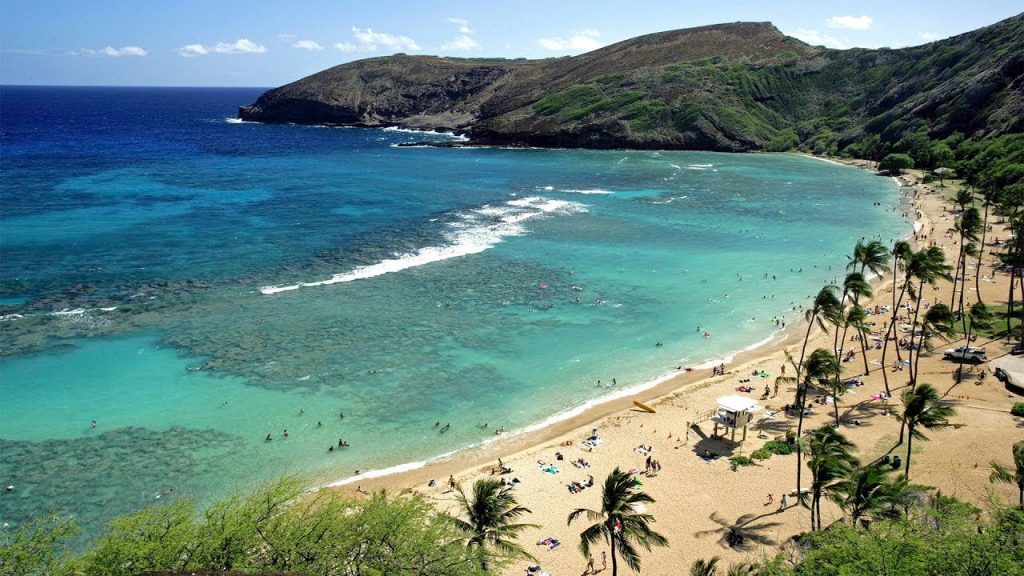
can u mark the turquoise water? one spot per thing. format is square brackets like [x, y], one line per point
[193, 284]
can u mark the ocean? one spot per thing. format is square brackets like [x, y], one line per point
[176, 285]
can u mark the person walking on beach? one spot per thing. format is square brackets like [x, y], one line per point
[604, 560]
[784, 502]
[451, 482]
[590, 565]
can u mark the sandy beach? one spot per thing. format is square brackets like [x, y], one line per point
[697, 500]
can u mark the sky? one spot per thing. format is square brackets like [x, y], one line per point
[268, 43]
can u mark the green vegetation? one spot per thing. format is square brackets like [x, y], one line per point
[1018, 409]
[777, 447]
[896, 163]
[273, 530]
[582, 100]
[738, 460]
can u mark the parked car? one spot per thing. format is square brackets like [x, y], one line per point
[976, 355]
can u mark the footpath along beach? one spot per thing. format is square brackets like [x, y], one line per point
[697, 501]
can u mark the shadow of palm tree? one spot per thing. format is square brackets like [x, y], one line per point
[743, 533]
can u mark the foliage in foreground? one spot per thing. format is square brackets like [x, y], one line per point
[946, 537]
[271, 530]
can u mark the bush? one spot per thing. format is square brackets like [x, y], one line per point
[1018, 409]
[761, 454]
[776, 447]
[736, 461]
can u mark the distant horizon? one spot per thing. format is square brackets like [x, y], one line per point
[126, 44]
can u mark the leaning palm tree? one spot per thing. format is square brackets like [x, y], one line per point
[873, 256]
[619, 521]
[820, 368]
[831, 460]
[868, 493]
[492, 511]
[1003, 474]
[923, 407]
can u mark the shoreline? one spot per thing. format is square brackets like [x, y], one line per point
[670, 385]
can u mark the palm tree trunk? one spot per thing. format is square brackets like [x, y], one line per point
[910, 443]
[981, 254]
[892, 328]
[864, 349]
[615, 561]
[800, 393]
[914, 328]
[963, 357]
[956, 274]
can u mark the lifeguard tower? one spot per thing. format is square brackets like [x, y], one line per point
[734, 412]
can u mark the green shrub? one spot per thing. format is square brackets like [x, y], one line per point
[1018, 409]
[738, 460]
[761, 454]
[776, 447]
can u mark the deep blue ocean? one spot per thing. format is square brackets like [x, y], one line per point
[176, 285]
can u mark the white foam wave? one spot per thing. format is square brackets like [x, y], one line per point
[587, 191]
[459, 137]
[474, 231]
[239, 121]
[66, 312]
[377, 473]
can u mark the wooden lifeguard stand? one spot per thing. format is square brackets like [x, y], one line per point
[734, 412]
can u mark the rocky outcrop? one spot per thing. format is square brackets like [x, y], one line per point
[733, 87]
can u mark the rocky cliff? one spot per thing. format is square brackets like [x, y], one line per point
[732, 87]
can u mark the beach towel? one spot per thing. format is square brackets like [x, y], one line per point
[551, 469]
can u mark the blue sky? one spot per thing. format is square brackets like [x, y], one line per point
[268, 43]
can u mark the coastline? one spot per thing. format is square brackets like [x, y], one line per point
[560, 426]
[697, 502]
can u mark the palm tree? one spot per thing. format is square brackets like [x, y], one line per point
[619, 522]
[1003, 474]
[928, 266]
[902, 253]
[989, 197]
[868, 493]
[821, 367]
[922, 407]
[938, 321]
[963, 197]
[854, 286]
[969, 224]
[831, 460]
[873, 256]
[702, 567]
[491, 514]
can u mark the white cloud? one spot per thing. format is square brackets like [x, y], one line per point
[462, 23]
[307, 45]
[928, 36]
[581, 41]
[111, 51]
[370, 41]
[849, 22]
[464, 42]
[240, 46]
[816, 38]
[191, 50]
